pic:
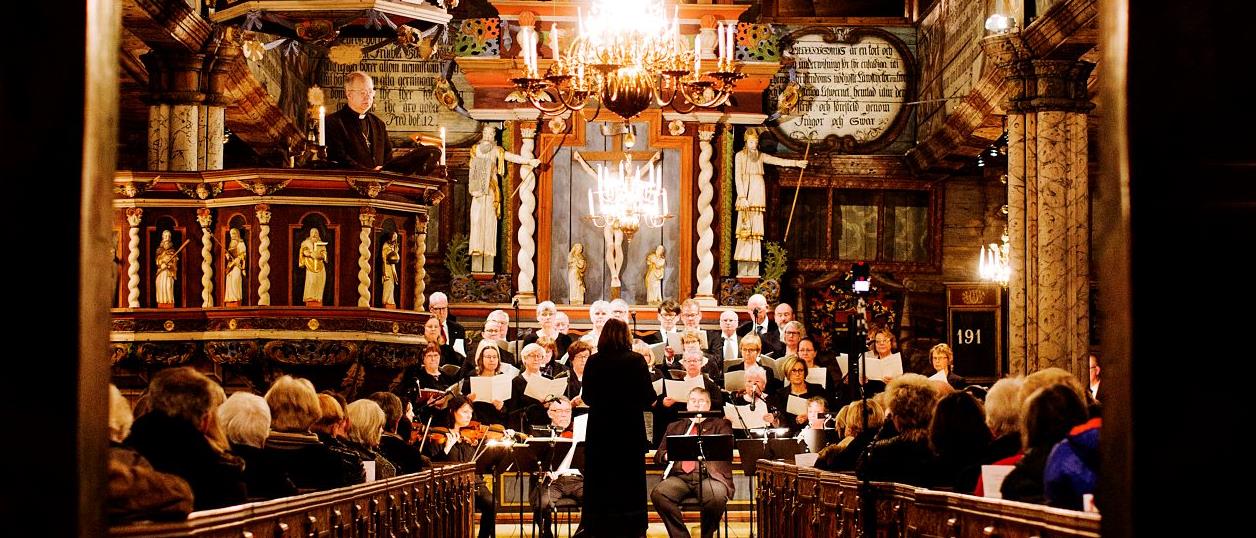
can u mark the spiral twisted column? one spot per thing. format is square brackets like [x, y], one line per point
[366, 217]
[706, 215]
[263, 253]
[205, 217]
[133, 217]
[527, 223]
[420, 260]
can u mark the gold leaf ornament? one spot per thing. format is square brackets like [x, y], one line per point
[345, 54]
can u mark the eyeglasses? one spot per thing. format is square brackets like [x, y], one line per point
[795, 333]
[882, 341]
[797, 371]
[365, 92]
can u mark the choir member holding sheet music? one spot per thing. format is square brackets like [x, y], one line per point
[881, 364]
[547, 318]
[676, 392]
[452, 332]
[830, 377]
[724, 344]
[691, 317]
[531, 389]
[669, 316]
[423, 385]
[750, 346]
[577, 358]
[485, 389]
[791, 400]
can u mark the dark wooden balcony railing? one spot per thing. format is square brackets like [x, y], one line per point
[794, 502]
[435, 503]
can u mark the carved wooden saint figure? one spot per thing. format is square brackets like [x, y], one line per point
[751, 199]
[167, 270]
[314, 261]
[236, 260]
[654, 263]
[391, 255]
[575, 274]
[488, 163]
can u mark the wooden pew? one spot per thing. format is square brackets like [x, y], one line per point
[795, 502]
[435, 503]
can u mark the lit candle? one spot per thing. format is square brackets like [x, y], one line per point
[322, 125]
[590, 191]
[697, 56]
[442, 146]
[731, 33]
[580, 22]
[554, 40]
[719, 43]
[663, 208]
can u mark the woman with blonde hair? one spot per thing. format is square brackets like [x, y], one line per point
[366, 427]
[943, 359]
[294, 408]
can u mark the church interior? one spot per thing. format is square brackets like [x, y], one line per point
[400, 203]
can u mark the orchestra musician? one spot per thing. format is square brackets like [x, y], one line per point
[460, 443]
[682, 479]
[561, 483]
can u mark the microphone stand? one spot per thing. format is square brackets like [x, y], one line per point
[856, 330]
[633, 313]
[514, 304]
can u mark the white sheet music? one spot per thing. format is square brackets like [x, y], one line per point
[542, 389]
[843, 362]
[579, 427]
[679, 390]
[796, 405]
[658, 387]
[891, 366]
[992, 480]
[735, 381]
[489, 388]
[743, 418]
[819, 376]
[460, 346]
[938, 376]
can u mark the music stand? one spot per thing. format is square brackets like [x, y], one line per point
[702, 448]
[816, 440]
[765, 448]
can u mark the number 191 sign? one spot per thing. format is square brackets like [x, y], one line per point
[974, 319]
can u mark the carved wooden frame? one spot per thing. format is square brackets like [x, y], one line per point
[848, 144]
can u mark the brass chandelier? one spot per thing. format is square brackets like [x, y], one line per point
[627, 55]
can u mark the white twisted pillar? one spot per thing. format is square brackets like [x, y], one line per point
[420, 260]
[366, 217]
[263, 254]
[133, 217]
[706, 214]
[205, 217]
[527, 223]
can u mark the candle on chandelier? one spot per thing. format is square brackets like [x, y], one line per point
[590, 191]
[442, 146]
[322, 125]
[719, 43]
[697, 56]
[730, 33]
[554, 40]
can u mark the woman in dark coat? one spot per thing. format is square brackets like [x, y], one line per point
[618, 390]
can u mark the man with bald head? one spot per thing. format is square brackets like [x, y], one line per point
[356, 138]
[760, 323]
[455, 334]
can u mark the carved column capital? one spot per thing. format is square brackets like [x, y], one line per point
[134, 215]
[367, 216]
[1005, 49]
[527, 129]
[706, 132]
[204, 216]
[1041, 85]
[174, 77]
[262, 211]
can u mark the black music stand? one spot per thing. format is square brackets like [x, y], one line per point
[816, 440]
[764, 448]
[543, 455]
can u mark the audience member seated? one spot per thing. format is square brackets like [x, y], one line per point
[308, 462]
[845, 454]
[366, 427]
[245, 419]
[682, 479]
[1073, 467]
[332, 429]
[135, 490]
[395, 448]
[1049, 414]
[174, 436]
[1003, 409]
[906, 457]
[959, 437]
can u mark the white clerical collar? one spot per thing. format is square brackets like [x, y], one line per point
[362, 116]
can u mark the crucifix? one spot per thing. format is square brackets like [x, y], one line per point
[612, 232]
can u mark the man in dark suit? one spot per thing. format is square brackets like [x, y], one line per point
[669, 315]
[683, 478]
[724, 345]
[356, 138]
[769, 334]
[438, 305]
